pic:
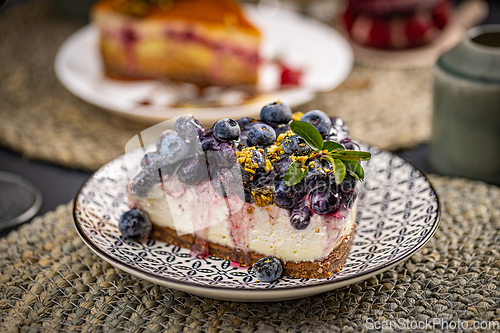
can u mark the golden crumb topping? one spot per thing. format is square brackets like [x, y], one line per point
[297, 115]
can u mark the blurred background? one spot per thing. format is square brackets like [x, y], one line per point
[55, 133]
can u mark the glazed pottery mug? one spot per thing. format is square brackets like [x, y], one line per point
[466, 121]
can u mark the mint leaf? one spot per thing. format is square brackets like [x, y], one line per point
[331, 146]
[295, 173]
[355, 169]
[351, 155]
[338, 171]
[309, 133]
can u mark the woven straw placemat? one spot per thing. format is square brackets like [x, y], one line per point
[50, 280]
[40, 119]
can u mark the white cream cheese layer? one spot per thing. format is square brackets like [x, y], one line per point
[232, 222]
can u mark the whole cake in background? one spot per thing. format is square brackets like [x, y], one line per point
[279, 192]
[396, 24]
[206, 42]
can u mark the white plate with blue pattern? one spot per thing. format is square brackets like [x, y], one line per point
[398, 212]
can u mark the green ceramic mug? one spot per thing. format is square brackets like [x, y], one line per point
[466, 122]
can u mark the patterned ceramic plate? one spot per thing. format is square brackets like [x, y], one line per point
[397, 214]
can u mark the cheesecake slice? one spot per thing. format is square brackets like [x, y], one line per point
[206, 42]
[226, 192]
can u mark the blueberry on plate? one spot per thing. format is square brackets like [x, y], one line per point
[325, 202]
[135, 224]
[141, 184]
[227, 130]
[261, 135]
[276, 112]
[267, 269]
[320, 120]
[174, 149]
[288, 196]
[294, 144]
[300, 217]
[188, 128]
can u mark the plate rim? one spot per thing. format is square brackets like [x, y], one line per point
[327, 285]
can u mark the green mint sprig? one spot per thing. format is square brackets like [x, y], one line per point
[341, 160]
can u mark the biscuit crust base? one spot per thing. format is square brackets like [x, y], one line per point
[323, 268]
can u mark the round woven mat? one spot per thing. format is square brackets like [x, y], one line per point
[40, 119]
[49, 279]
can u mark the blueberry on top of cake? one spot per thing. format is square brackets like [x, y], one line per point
[284, 186]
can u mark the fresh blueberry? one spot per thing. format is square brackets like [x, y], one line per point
[244, 121]
[288, 196]
[225, 155]
[294, 144]
[276, 112]
[193, 170]
[281, 128]
[163, 135]
[349, 184]
[152, 164]
[135, 224]
[348, 200]
[316, 179]
[319, 120]
[300, 217]
[141, 184]
[188, 128]
[261, 135]
[325, 202]
[267, 269]
[227, 130]
[174, 149]
[282, 166]
[209, 143]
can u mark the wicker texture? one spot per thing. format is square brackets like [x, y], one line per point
[50, 281]
[41, 120]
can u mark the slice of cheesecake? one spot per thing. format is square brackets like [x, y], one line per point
[226, 192]
[251, 233]
[206, 42]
